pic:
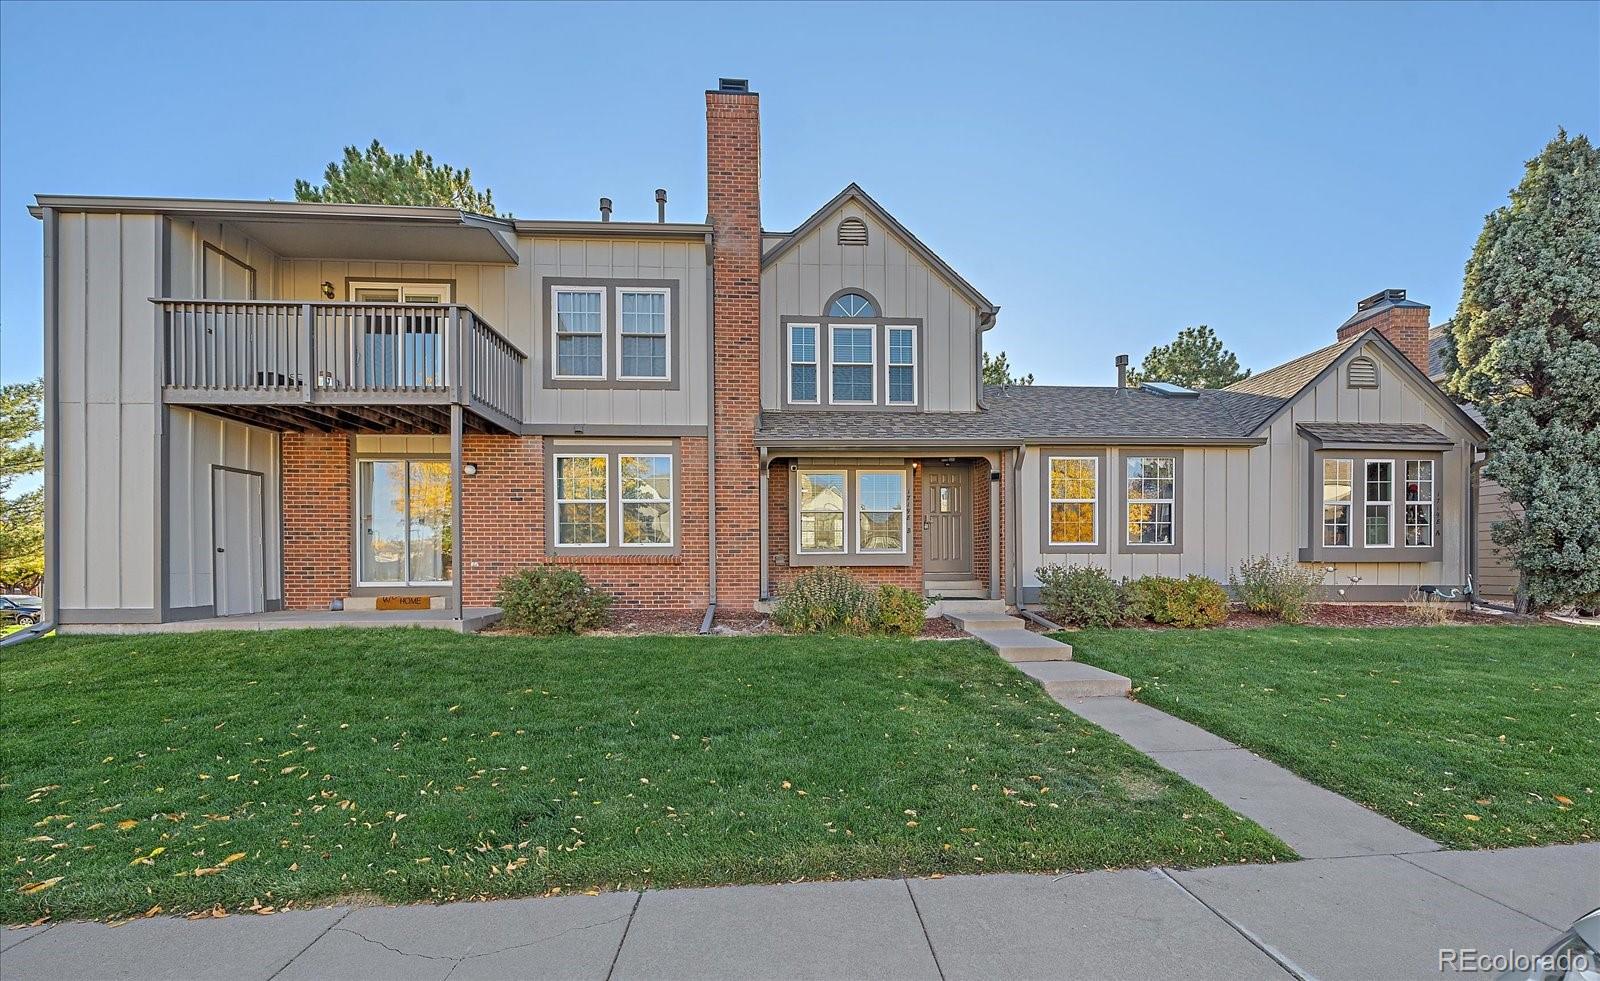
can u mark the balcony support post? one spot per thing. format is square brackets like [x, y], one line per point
[458, 556]
[307, 359]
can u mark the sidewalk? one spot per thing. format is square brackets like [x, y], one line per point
[1361, 917]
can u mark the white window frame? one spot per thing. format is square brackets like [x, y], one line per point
[407, 582]
[872, 365]
[1129, 502]
[854, 514]
[889, 365]
[604, 499]
[1094, 502]
[623, 501]
[1349, 506]
[815, 363]
[664, 292]
[1431, 502]
[1367, 502]
[400, 286]
[556, 333]
[843, 512]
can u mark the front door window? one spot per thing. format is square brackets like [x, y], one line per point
[405, 510]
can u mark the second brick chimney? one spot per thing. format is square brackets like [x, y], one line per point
[733, 208]
[1404, 322]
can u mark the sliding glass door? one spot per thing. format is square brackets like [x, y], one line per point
[404, 523]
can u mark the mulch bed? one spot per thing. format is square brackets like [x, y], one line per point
[1342, 615]
[724, 624]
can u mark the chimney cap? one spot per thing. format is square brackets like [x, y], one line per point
[1122, 360]
[734, 86]
[1379, 302]
[1393, 296]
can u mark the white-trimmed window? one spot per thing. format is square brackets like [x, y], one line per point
[821, 506]
[581, 491]
[1338, 479]
[579, 326]
[1152, 497]
[902, 356]
[1378, 504]
[1074, 500]
[852, 365]
[1419, 503]
[644, 333]
[803, 364]
[645, 486]
[880, 511]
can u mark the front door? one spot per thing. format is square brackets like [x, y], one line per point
[947, 522]
[238, 563]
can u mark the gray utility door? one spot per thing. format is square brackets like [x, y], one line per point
[238, 560]
[947, 522]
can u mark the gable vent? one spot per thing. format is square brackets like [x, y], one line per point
[1362, 373]
[852, 231]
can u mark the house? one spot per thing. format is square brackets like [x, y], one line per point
[1497, 579]
[261, 406]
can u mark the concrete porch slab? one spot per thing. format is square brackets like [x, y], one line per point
[805, 930]
[1106, 925]
[1361, 918]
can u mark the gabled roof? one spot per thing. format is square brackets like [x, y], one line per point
[876, 210]
[1287, 379]
[1437, 340]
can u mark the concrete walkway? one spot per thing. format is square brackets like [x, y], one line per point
[1043, 657]
[1362, 917]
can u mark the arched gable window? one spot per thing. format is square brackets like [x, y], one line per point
[852, 305]
[852, 231]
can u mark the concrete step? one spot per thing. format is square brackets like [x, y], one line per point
[969, 619]
[1016, 644]
[957, 589]
[953, 607]
[1073, 679]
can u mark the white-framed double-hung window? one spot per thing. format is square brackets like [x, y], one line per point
[1152, 495]
[1338, 492]
[582, 518]
[579, 327]
[1378, 504]
[1074, 494]
[803, 364]
[902, 356]
[880, 510]
[1419, 503]
[821, 506]
[644, 333]
[853, 373]
[645, 489]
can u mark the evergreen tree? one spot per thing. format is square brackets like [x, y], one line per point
[1524, 346]
[1195, 360]
[997, 371]
[379, 177]
[21, 515]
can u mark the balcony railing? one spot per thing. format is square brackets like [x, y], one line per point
[265, 352]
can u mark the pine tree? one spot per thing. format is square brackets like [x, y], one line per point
[379, 177]
[1524, 346]
[997, 371]
[1195, 360]
[22, 515]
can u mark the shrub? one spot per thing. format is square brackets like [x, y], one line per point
[825, 600]
[900, 611]
[1080, 595]
[1423, 608]
[1194, 601]
[1279, 587]
[547, 599]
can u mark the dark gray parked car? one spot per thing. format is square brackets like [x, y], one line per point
[1574, 957]
[20, 608]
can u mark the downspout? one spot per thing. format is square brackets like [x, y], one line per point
[1014, 580]
[52, 427]
[711, 433]
[761, 521]
[1474, 475]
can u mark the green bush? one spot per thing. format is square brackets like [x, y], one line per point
[1280, 587]
[1194, 601]
[1145, 598]
[825, 600]
[547, 599]
[1080, 595]
[900, 611]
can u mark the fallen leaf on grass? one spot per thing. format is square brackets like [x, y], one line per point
[39, 886]
[1563, 800]
[1472, 817]
[127, 823]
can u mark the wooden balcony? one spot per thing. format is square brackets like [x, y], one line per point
[362, 367]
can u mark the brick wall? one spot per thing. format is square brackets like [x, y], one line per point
[779, 572]
[1405, 327]
[504, 528]
[317, 503]
[980, 521]
[733, 206]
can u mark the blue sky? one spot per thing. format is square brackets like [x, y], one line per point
[1107, 174]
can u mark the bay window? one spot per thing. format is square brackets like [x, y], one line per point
[1373, 505]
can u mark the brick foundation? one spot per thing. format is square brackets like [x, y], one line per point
[317, 519]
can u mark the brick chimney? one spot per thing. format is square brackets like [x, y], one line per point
[733, 208]
[1404, 322]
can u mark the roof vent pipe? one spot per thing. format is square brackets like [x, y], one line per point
[1122, 371]
[605, 209]
[661, 206]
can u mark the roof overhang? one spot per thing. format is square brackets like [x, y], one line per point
[307, 230]
[1437, 443]
[773, 442]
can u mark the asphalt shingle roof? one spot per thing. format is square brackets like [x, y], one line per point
[1374, 432]
[1436, 343]
[1290, 377]
[1039, 413]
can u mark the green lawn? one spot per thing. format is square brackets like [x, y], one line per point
[1474, 736]
[188, 770]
